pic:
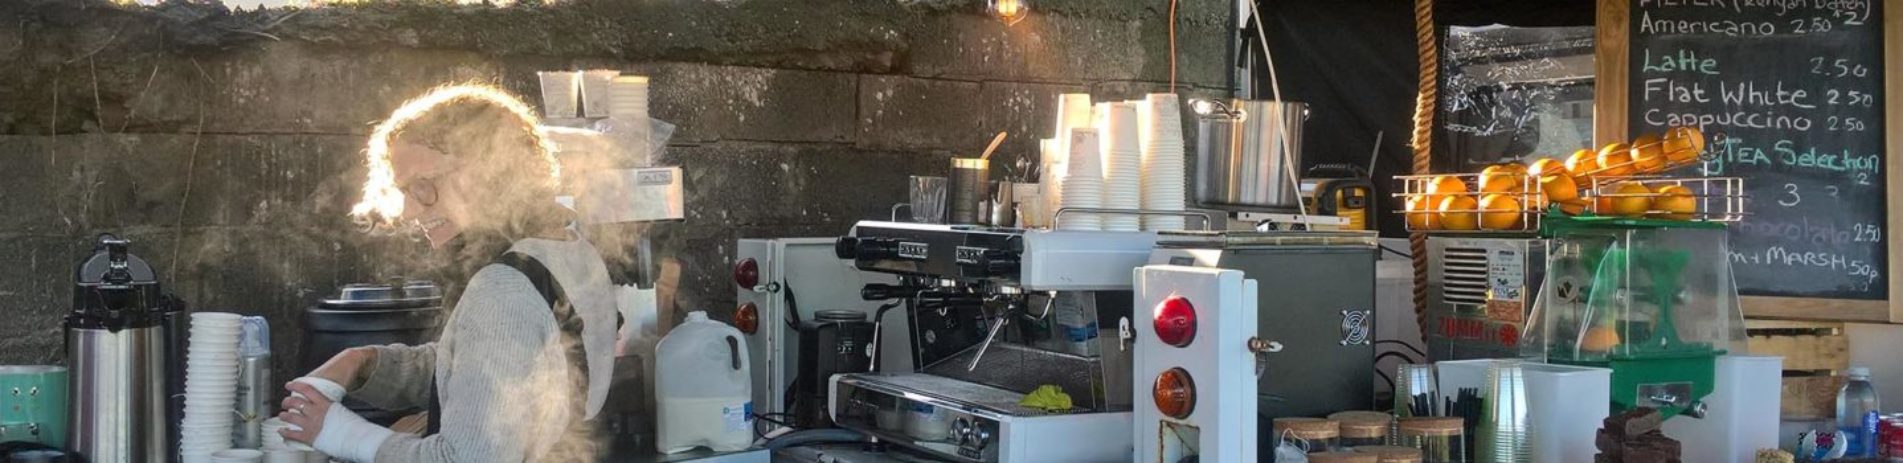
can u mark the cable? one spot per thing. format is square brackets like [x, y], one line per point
[1275, 88]
[1395, 251]
[1396, 353]
[1411, 347]
[1172, 45]
[814, 436]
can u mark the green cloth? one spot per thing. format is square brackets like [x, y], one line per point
[1047, 398]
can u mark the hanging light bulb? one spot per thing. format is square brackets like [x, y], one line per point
[1009, 11]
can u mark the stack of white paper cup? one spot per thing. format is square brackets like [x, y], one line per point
[1082, 185]
[596, 86]
[1054, 161]
[1122, 164]
[211, 386]
[237, 456]
[560, 91]
[1165, 171]
[1073, 111]
[277, 450]
[628, 97]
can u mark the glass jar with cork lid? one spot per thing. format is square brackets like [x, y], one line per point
[1441, 439]
[1392, 453]
[1363, 428]
[1320, 434]
[1343, 457]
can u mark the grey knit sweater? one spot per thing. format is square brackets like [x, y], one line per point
[508, 389]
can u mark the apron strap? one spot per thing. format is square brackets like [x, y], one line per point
[566, 319]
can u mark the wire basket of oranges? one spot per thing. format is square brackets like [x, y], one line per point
[1649, 154]
[1502, 198]
[1710, 199]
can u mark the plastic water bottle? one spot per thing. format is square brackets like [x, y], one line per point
[1857, 410]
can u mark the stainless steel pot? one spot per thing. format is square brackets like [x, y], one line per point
[120, 345]
[119, 408]
[1240, 161]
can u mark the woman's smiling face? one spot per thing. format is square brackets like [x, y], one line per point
[433, 200]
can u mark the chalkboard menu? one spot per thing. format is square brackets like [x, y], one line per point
[1790, 96]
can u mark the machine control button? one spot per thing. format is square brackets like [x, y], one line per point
[846, 247]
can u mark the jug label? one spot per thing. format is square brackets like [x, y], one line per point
[738, 417]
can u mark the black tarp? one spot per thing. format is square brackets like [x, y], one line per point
[1354, 63]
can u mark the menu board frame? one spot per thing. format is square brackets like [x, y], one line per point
[1611, 70]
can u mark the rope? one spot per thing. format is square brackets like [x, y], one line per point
[1423, 141]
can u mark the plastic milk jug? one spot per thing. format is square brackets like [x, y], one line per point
[703, 394]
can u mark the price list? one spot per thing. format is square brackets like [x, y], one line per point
[1790, 96]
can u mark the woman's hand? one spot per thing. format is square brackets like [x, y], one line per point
[346, 367]
[306, 413]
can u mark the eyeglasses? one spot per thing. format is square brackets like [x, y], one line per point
[423, 190]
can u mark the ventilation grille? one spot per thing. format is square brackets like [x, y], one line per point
[1464, 275]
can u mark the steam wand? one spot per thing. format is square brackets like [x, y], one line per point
[1004, 316]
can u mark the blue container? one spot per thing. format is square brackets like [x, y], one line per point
[33, 404]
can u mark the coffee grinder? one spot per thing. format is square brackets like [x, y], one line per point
[122, 342]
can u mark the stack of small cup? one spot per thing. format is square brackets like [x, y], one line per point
[277, 450]
[1083, 181]
[211, 386]
[1165, 171]
[1122, 164]
[628, 97]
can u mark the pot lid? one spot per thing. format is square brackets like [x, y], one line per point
[397, 293]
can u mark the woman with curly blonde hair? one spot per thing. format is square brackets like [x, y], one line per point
[525, 356]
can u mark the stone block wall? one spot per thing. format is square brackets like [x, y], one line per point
[227, 144]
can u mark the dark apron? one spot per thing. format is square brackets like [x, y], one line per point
[566, 319]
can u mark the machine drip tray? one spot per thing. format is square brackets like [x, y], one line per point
[971, 397]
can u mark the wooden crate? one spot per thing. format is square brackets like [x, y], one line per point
[1815, 357]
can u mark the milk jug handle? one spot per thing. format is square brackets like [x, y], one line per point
[733, 351]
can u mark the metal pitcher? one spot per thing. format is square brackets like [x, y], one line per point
[1240, 158]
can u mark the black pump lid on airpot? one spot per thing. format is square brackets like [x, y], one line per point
[114, 289]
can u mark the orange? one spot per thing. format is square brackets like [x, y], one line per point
[1615, 160]
[1648, 154]
[1442, 186]
[1632, 199]
[1547, 166]
[1503, 212]
[1421, 215]
[1683, 144]
[1675, 202]
[1581, 163]
[1559, 187]
[1572, 207]
[1457, 213]
[1599, 339]
[1503, 178]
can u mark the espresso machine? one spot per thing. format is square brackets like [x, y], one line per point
[123, 349]
[996, 314]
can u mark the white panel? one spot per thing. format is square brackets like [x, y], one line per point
[762, 345]
[1218, 360]
[1028, 440]
[1741, 412]
[1083, 260]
